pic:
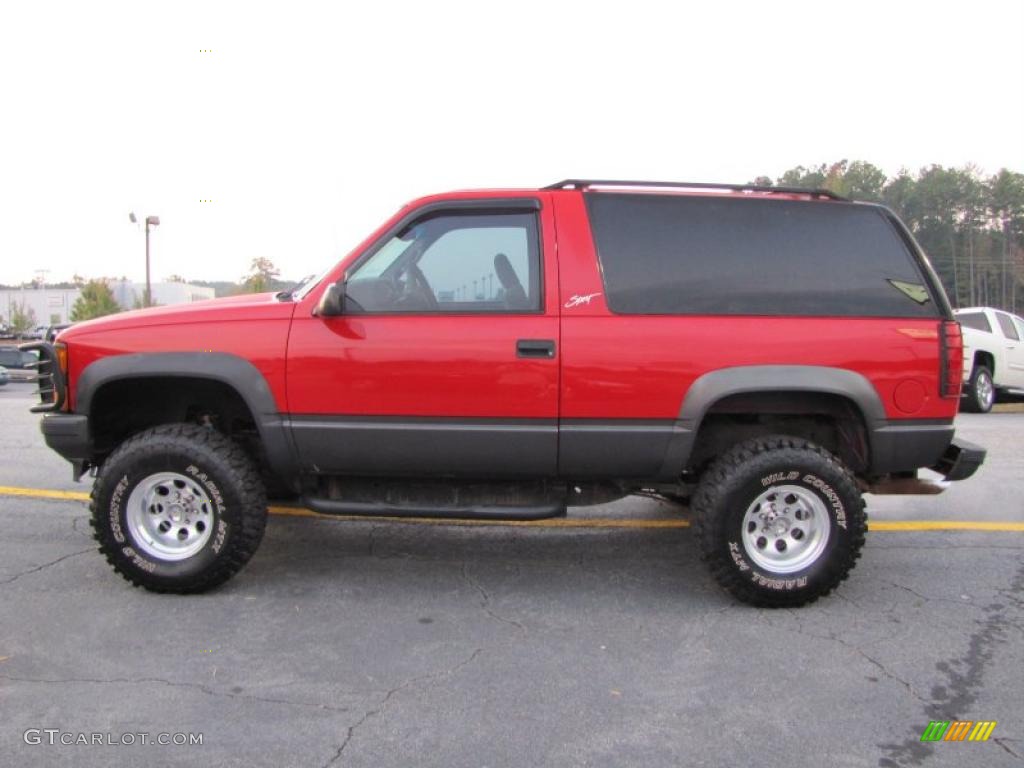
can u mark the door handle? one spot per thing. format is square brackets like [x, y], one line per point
[535, 348]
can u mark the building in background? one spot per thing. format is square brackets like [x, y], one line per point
[130, 295]
[52, 306]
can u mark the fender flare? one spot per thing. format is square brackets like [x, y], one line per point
[716, 385]
[231, 370]
[725, 382]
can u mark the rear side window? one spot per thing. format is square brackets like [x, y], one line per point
[10, 358]
[680, 255]
[1007, 325]
[976, 320]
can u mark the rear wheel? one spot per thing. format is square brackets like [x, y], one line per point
[780, 520]
[980, 392]
[178, 508]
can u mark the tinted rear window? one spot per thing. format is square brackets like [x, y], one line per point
[10, 358]
[675, 254]
[976, 320]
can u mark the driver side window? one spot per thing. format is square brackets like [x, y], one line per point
[453, 263]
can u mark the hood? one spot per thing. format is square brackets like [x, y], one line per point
[226, 308]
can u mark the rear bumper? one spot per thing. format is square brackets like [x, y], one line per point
[961, 460]
[904, 446]
[68, 435]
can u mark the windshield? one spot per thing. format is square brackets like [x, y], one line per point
[307, 284]
[382, 259]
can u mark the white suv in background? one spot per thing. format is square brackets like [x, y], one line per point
[993, 355]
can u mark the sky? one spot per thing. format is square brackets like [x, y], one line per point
[291, 130]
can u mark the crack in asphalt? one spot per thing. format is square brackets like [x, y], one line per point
[1001, 742]
[382, 704]
[847, 599]
[80, 519]
[172, 684]
[964, 677]
[888, 673]
[930, 599]
[44, 566]
[485, 598]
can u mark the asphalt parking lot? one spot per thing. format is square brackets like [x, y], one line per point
[596, 641]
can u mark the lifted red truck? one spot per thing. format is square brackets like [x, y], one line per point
[769, 353]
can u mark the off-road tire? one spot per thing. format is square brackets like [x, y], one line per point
[219, 468]
[974, 400]
[741, 476]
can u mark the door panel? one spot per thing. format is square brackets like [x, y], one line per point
[431, 386]
[1014, 355]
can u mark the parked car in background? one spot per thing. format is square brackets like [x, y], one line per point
[4, 376]
[39, 332]
[20, 365]
[993, 355]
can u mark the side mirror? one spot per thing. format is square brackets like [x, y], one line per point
[332, 303]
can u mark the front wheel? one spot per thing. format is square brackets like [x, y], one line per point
[780, 520]
[178, 508]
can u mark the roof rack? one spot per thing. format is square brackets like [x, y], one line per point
[584, 183]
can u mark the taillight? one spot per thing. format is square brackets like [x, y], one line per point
[951, 360]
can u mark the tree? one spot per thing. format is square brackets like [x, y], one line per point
[22, 318]
[860, 181]
[1006, 212]
[857, 180]
[262, 274]
[899, 194]
[812, 178]
[96, 300]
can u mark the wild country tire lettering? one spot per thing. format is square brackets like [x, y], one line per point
[218, 502]
[831, 495]
[115, 507]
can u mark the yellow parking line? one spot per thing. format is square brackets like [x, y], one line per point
[39, 493]
[561, 522]
[944, 525]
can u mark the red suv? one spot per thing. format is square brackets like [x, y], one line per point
[770, 353]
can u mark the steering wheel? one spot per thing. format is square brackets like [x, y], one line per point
[422, 287]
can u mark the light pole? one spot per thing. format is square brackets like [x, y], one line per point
[153, 221]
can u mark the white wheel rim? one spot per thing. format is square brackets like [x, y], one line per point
[786, 528]
[169, 516]
[984, 389]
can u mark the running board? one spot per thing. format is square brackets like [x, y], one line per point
[476, 512]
